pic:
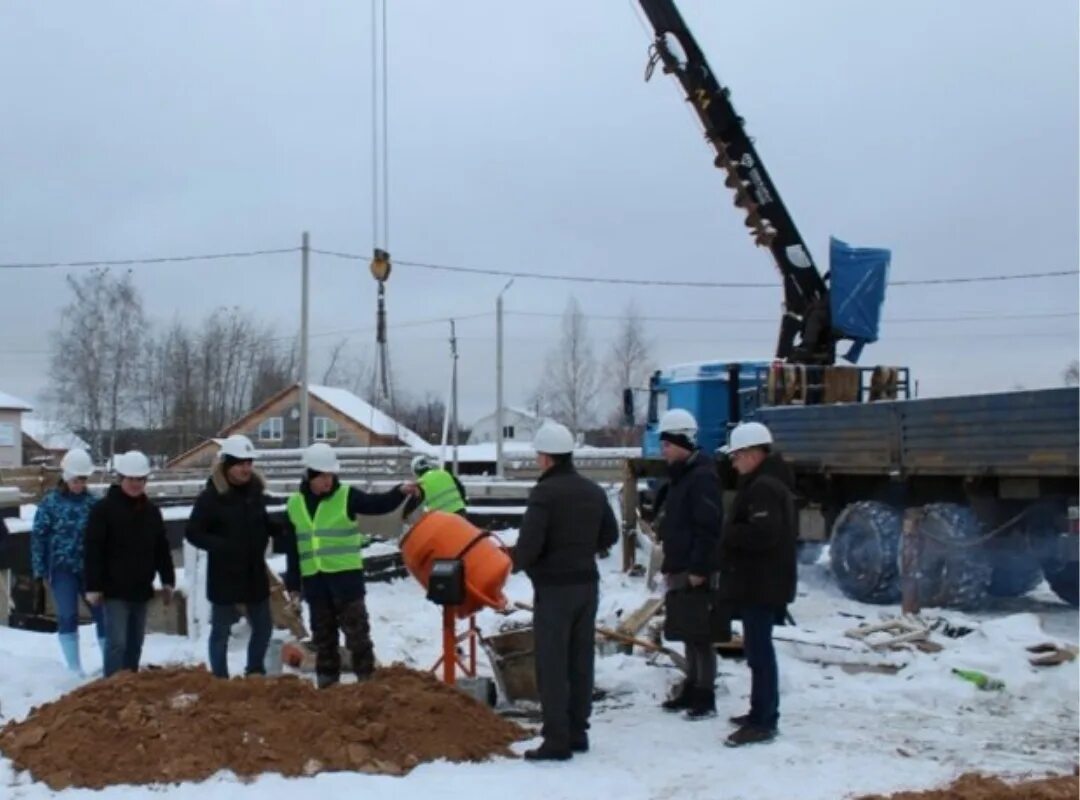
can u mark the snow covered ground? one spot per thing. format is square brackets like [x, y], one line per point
[843, 732]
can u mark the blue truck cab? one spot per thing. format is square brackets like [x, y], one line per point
[715, 392]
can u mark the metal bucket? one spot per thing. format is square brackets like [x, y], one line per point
[513, 664]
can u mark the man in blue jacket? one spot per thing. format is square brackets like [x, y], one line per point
[689, 532]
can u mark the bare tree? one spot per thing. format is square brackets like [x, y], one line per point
[424, 417]
[96, 354]
[629, 360]
[347, 371]
[571, 377]
[1071, 375]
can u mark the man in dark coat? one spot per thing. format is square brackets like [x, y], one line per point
[230, 522]
[689, 528]
[758, 568]
[568, 523]
[125, 546]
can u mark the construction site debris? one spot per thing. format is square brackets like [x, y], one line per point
[173, 725]
[980, 679]
[1048, 654]
[981, 787]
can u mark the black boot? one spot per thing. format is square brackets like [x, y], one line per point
[323, 681]
[579, 743]
[680, 700]
[740, 721]
[702, 705]
[750, 734]
[546, 752]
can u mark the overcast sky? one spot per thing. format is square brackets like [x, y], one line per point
[523, 138]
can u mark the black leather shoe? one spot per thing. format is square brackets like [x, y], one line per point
[546, 752]
[680, 700]
[750, 734]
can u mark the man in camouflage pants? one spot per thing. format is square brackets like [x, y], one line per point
[324, 559]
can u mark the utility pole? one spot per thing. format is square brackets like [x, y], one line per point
[453, 393]
[499, 422]
[305, 424]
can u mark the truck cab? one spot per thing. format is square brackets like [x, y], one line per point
[715, 392]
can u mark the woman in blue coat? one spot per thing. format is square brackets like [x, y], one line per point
[57, 551]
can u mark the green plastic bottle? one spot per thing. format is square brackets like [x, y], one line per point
[980, 679]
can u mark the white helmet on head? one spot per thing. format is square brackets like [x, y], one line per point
[421, 464]
[320, 457]
[239, 447]
[76, 464]
[747, 434]
[131, 464]
[678, 426]
[553, 439]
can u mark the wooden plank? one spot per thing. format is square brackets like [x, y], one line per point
[632, 624]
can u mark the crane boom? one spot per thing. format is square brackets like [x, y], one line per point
[805, 331]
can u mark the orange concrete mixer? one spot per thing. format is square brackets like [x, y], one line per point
[439, 535]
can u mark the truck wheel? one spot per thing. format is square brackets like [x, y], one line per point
[954, 573]
[1063, 577]
[1014, 575]
[864, 552]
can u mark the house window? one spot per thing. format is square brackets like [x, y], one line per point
[325, 430]
[272, 429]
[508, 431]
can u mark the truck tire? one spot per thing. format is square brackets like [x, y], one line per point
[864, 552]
[1063, 577]
[1014, 575]
[954, 574]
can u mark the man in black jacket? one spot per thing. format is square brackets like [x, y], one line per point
[758, 572]
[689, 528]
[568, 523]
[125, 546]
[230, 522]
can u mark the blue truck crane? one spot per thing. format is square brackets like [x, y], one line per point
[989, 481]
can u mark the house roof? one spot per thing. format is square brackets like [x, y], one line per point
[11, 403]
[373, 419]
[52, 435]
[341, 400]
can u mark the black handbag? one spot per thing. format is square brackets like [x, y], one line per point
[696, 615]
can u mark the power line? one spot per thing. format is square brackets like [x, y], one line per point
[773, 320]
[677, 283]
[131, 262]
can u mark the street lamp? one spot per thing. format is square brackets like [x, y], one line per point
[499, 380]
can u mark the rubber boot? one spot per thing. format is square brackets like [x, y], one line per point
[702, 705]
[681, 700]
[69, 644]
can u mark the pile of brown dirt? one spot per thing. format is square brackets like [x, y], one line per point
[982, 787]
[171, 725]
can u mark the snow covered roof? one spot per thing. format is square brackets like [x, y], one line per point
[51, 435]
[11, 403]
[367, 415]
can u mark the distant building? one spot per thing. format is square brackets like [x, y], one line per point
[338, 417]
[46, 441]
[518, 426]
[11, 415]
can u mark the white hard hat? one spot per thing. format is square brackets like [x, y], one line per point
[679, 421]
[320, 457]
[239, 447]
[76, 464]
[747, 434]
[553, 439]
[131, 464]
[420, 464]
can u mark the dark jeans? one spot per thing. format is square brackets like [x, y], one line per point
[336, 603]
[761, 658]
[222, 617]
[700, 665]
[125, 627]
[564, 629]
[67, 588]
